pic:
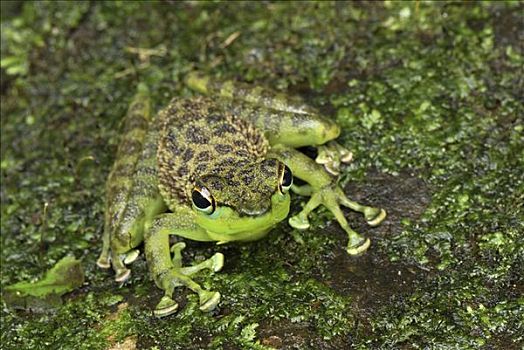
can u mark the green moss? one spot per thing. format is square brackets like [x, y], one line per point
[425, 90]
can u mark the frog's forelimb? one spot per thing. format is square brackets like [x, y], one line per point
[324, 190]
[168, 272]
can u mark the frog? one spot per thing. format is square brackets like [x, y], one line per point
[218, 166]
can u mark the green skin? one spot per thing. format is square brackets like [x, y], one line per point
[233, 148]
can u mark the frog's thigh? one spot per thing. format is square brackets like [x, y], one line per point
[296, 130]
[324, 190]
[118, 183]
[238, 91]
[168, 275]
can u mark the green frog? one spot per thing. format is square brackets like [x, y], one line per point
[217, 168]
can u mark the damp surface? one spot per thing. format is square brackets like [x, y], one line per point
[429, 96]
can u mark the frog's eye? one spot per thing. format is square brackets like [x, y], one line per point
[203, 200]
[286, 179]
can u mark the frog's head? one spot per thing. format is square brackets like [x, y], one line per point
[244, 201]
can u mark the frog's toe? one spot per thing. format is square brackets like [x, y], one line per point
[103, 262]
[358, 247]
[323, 156]
[209, 300]
[346, 156]
[299, 222]
[178, 247]
[329, 161]
[218, 262]
[375, 216]
[165, 307]
[342, 153]
[123, 275]
[131, 256]
[331, 155]
[214, 263]
[333, 168]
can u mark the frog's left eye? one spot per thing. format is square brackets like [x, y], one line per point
[203, 200]
[286, 179]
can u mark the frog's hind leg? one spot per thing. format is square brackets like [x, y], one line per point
[133, 199]
[256, 95]
[145, 202]
[285, 119]
[168, 272]
[119, 182]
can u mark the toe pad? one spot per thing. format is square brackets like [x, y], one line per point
[378, 219]
[165, 307]
[211, 303]
[359, 249]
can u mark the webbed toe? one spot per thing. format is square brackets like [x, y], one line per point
[209, 300]
[122, 275]
[375, 217]
[218, 262]
[103, 262]
[300, 222]
[331, 155]
[131, 256]
[359, 247]
[165, 307]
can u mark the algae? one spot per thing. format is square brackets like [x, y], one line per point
[430, 99]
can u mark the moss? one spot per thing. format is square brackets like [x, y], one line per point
[429, 101]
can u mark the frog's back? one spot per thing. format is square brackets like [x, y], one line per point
[198, 137]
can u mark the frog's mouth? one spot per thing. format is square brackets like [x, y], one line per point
[227, 224]
[254, 211]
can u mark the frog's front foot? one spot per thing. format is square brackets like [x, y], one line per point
[179, 275]
[167, 306]
[332, 197]
[174, 277]
[214, 263]
[331, 155]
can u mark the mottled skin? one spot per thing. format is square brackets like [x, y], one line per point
[217, 169]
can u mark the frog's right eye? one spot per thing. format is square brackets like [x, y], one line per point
[286, 179]
[203, 200]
